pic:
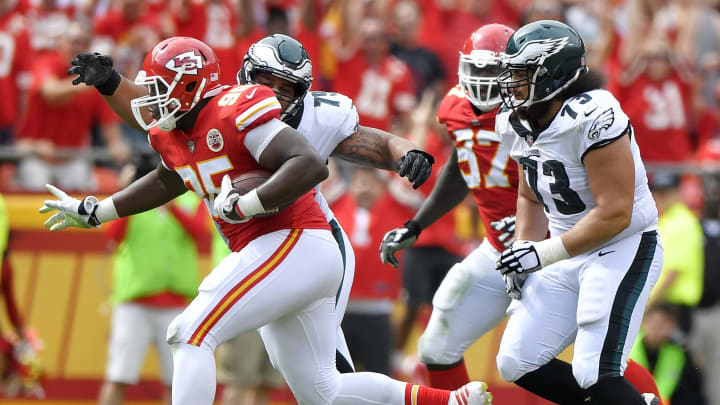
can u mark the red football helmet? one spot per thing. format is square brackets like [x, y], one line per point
[179, 72]
[480, 65]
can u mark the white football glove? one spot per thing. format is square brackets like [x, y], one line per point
[71, 211]
[507, 227]
[522, 257]
[398, 239]
[224, 204]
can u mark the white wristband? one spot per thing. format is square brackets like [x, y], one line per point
[249, 204]
[106, 211]
[550, 251]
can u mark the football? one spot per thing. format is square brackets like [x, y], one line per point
[249, 180]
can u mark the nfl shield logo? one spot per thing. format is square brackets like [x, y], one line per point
[215, 140]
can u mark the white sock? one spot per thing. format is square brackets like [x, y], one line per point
[193, 380]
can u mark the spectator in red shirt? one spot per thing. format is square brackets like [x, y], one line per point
[49, 19]
[14, 66]
[656, 96]
[447, 23]
[218, 23]
[128, 32]
[54, 133]
[379, 83]
[426, 67]
[363, 211]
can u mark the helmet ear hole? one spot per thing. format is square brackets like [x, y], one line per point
[190, 87]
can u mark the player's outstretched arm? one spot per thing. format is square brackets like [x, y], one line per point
[449, 191]
[376, 148]
[151, 191]
[297, 169]
[97, 70]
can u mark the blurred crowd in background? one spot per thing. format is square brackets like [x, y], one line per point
[396, 59]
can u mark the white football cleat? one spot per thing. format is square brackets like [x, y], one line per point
[472, 393]
[650, 398]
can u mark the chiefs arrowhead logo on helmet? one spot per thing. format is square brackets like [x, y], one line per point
[189, 60]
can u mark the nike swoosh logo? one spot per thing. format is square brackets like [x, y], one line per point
[252, 94]
[587, 113]
[605, 253]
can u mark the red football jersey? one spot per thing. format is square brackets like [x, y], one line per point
[379, 92]
[14, 60]
[216, 147]
[485, 163]
[658, 111]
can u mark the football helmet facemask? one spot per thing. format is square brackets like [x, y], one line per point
[283, 57]
[545, 57]
[480, 65]
[178, 73]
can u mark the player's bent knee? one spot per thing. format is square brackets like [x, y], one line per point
[585, 373]
[322, 389]
[453, 287]
[433, 346]
[510, 368]
[173, 331]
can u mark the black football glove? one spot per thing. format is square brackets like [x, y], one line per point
[398, 239]
[417, 166]
[95, 69]
[522, 257]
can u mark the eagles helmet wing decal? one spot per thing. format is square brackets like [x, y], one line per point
[188, 62]
[601, 123]
[534, 52]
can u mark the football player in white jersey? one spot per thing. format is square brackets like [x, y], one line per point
[587, 284]
[330, 123]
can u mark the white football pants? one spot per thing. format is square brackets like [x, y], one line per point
[470, 301]
[285, 283]
[596, 300]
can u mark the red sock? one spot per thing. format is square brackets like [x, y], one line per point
[451, 378]
[641, 378]
[422, 395]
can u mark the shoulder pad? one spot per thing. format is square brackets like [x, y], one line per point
[330, 111]
[249, 105]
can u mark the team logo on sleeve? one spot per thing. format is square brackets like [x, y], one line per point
[187, 60]
[601, 123]
[215, 140]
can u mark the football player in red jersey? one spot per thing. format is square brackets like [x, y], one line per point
[481, 165]
[284, 270]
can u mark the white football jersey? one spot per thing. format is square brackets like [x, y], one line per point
[553, 159]
[327, 119]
